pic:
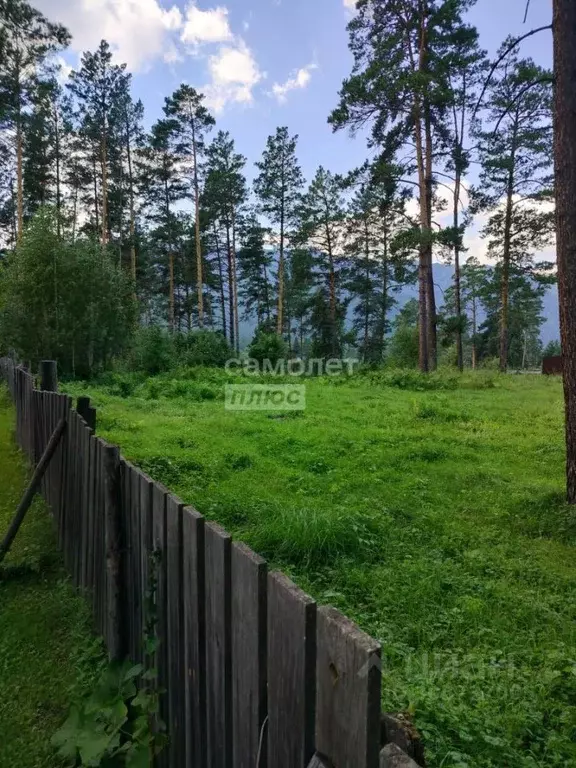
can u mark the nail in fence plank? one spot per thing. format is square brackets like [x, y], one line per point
[249, 594]
[291, 674]
[175, 607]
[194, 636]
[348, 685]
[218, 545]
[159, 495]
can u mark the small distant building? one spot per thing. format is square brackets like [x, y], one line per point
[552, 366]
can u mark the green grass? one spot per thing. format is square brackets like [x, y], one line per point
[46, 647]
[430, 511]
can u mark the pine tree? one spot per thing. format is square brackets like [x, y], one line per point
[378, 266]
[130, 139]
[194, 121]
[163, 188]
[564, 27]
[400, 86]
[97, 87]
[277, 187]
[27, 38]
[472, 283]
[322, 231]
[254, 265]
[225, 193]
[467, 72]
[515, 154]
[524, 314]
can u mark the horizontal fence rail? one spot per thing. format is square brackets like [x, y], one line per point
[254, 674]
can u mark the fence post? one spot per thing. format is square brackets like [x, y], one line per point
[49, 376]
[115, 607]
[87, 412]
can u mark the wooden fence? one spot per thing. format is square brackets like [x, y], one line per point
[255, 673]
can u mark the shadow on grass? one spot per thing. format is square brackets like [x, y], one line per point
[26, 572]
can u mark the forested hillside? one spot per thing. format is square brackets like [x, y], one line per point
[455, 142]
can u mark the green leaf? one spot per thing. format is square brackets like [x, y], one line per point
[139, 756]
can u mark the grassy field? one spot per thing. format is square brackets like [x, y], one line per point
[46, 647]
[434, 518]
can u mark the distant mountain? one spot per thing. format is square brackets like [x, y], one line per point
[443, 275]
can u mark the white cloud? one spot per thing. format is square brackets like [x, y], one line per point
[143, 32]
[137, 30]
[234, 72]
[299, 79]
[350, 6]
[209, 26]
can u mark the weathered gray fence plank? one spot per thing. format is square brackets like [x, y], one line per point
[291, 674]
[159, 547]
[347, 692]
[175, 629]
[249, 672]
[194, 636]
[218, 647]
[136, 570]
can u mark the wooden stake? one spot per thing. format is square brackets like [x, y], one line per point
[32, 488]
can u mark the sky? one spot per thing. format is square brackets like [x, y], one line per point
[261, 63]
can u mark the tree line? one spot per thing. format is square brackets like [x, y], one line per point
[178, 232]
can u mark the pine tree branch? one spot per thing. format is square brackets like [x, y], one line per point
[501, 58]
[540, 81]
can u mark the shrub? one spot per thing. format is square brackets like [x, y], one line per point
[267, 346]
[208, 348]
[153, 350]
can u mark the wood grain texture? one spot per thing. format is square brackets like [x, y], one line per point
[249, 671]
[194, 636]
[175, 631]
[159, 498]
[347, 692]
[291, 674]
[218, 546]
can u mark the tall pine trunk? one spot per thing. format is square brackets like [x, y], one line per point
[231, 317]
[199, 271]
[564, 25]
[19, 179]
[366, 301]
[332, 290]
[95, 179]
[430, 296]
[19, 159]
[506, 257]
[104, 162]
[280, 320]
[235, 278]
[457, 289]
[474, 331]
[423, 338]
[171, 301]
[58, 172]
[221, 278]
[132, 208]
